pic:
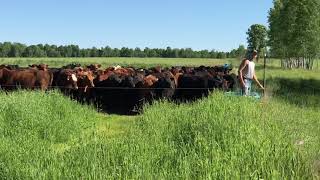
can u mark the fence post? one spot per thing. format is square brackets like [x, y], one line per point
[264, 69]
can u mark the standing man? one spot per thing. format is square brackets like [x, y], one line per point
[247, 74]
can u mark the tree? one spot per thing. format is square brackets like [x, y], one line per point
[67, 51]
[150, 52]
[204, 54]
[34, 51]
[5, 49]
[240, 52]
[107, 52]
[116, 52]
[94, 52]
[8, 49]
[126, 52]
[138, 53]
[50, 50]
[213, 54]
[276, 48]
[189, 53]
[75, 50]
[17, 50]
[175, 53]
[167, 52]
[221, 55]
[294, 34]
[85, 53]
[257, 37]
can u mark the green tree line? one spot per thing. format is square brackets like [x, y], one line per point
[294, 32]
[9, 49]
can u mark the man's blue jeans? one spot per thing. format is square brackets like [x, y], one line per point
[246, 91]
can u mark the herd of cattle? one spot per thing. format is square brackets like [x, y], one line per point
[118, 89]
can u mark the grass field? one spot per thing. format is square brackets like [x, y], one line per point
[137, 62]
[49, 136]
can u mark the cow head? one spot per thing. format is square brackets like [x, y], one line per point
[172, 79]
[165, 86]
[43, 67]
[72, 80]
[33, 66]
[85, 80]
[103, 75]
[116, 67]
[174, 70]
[94, 67]
[128, 82]
[148, 81]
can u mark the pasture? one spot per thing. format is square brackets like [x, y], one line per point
[136, 62]
[47, 135]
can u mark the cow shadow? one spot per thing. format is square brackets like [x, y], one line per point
[298, 91]
[118, 111]
[120, 108]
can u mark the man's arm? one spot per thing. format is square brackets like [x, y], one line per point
[241, 68]
[257, 81]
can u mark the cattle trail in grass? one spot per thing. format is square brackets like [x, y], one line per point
[120, 90]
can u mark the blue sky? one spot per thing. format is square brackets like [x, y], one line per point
[198, 24]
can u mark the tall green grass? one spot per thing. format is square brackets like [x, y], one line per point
[48, 136]
[35, 128]
[220, 137]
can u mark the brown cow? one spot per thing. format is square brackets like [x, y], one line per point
[149, 81]
[43, 67]
[44, 79]
[85, 80]
[10, 67]
[44, 76]
[124, 71]
[85, 85]
[103, 75]
[25, 79]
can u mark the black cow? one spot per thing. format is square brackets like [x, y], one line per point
[65, 79]
[191, 87]
[165, 86]
[72, 66]
[110, 94]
